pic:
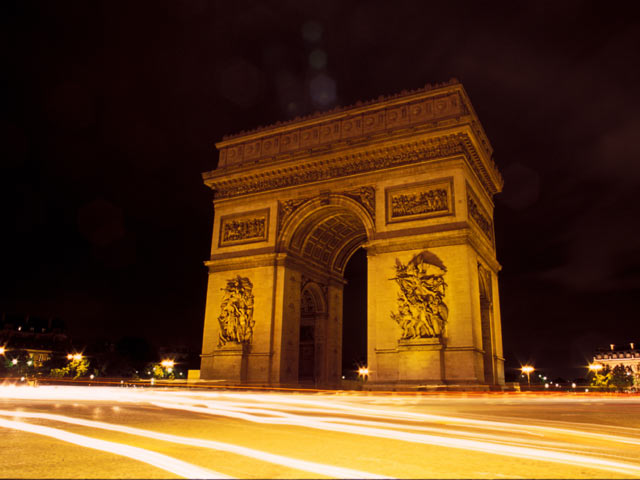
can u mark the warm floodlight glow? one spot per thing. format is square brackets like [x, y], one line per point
[595, 367]
[527, 369]
[363, 371]
[167, 363]
[2, 350]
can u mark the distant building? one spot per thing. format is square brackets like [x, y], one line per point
[40, 337]
[627, 357]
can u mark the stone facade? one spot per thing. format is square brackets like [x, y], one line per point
[410, 178]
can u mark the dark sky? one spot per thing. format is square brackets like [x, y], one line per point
[111, 109]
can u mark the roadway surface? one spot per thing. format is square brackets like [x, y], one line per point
[109, 432]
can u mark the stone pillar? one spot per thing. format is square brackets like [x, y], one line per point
[333, 335]
[286, 326]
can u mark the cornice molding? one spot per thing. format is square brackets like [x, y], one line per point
[329, 168]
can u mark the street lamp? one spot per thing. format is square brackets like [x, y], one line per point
[364, 373]
[2, 350]
[527, 369]
[595, 367]
[14, 361]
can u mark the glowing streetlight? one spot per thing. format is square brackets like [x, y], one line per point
[595, 367]
[363, 372]
[14, 361]
[74, 356]
[527, 369]
[2, 350]
[168, 363]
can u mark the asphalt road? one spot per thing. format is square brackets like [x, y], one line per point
[108, 432]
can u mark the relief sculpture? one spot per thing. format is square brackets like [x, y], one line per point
[421, 202]
[481, 219]
[244, 228]
[366, 196]
[422, 312]
[236, 312]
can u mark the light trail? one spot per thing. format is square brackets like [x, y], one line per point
[530, 453]
[164, 462]
[317, 468]
[335, 413]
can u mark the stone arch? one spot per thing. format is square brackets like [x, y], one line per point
[326, 231]
[293, 203]
[315, 294]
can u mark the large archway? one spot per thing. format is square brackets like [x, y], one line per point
[354, 315]
[410, 179]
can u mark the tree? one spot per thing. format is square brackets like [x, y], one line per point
[75, 368]
[621, 378]
[600, 379]
[17, 363]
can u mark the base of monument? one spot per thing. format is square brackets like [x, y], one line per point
[433, 387]
[229, 363]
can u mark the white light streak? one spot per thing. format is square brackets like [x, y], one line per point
[158, 460]
[335, 413]
[312, 467]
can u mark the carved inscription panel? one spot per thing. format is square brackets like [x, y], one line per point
[243, 228]
[420, 200]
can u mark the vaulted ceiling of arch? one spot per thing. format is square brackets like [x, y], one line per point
[325, 239]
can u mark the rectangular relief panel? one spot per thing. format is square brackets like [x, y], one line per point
[420, 200]
[246, 227]
[478, 214]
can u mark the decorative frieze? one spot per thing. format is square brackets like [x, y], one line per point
[243, 228]
[422, 312]
[343, 128]
[236, 312]
[479, 215]
[419, 201]
[329, 169]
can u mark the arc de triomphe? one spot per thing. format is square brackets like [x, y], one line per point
[408, 177]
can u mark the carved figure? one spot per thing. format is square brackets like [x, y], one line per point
[243, 229]
[481, 219]
[236, 312]
[422, 312]
[420, 202]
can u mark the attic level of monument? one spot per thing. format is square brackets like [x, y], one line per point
[410, 179]
[425, 124]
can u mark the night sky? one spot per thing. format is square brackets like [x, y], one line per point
[110, 112]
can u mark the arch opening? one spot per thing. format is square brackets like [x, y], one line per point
[354, 315]
[323, 239]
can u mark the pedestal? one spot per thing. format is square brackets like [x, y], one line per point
[230, 363]
[420, 360]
